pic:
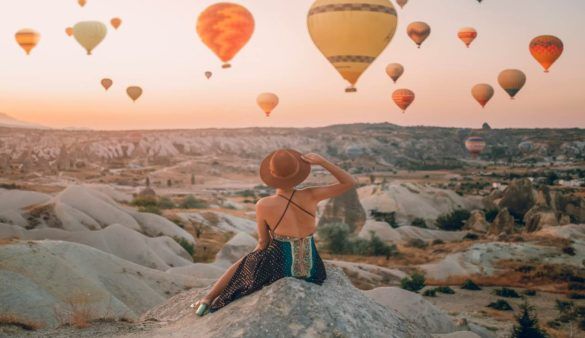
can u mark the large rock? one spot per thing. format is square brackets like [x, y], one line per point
[519, 197]
[43, 280]
[503, 223]
[344, 209]
[220, 220]
[539, 217]
[573, 206]
[426, 316]
[477, 222]
[288, 308]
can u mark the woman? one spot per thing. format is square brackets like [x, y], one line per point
[286, 224]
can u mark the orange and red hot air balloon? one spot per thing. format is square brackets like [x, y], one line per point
[475, 145]
[69, 31]
[482, 93]
[403, 98]
[27, 39]
[116, 22]
[225, 28]
[467, 35]
[546, 49]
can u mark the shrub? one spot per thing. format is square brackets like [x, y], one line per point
[569, 250]
[470, 285]
[188, 246]
[152, 209]
[471, 236]
[506, 292]
[500, 305]
[491, 214]
[445, 289]
[165, 203]
[430, 293]
[574, 295]
[388, 217]
[527, 324]
[530, 293]
[246, 193]
[379, 248]
[417, 243]
[419, 222]
[438, 241]
[190, 202]
[415, 283]
[336, 238]
[453, 221]
[144, 201]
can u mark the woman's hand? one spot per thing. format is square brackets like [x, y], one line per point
[313, 158]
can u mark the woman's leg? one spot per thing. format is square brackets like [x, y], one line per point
[221, 283]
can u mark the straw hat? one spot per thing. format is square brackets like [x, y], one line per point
[284, 169]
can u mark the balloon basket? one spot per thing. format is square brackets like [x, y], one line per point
[267, 114]
[351, 90]
[226, 66]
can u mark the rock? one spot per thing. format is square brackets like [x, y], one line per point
[573, 206]
[564, 220]
[344, 209]
[458, 334]
[221, 221]
[413, 306]
[154, 226]
[486, 126]
[477, 222]
[288, 308]
[406, 233]
[539, 217]
[519, 197]
[41, 279]
[503, 223]
[369, 276]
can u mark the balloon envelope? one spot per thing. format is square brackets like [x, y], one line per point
[116, 22]
[467, 35]
[401, 3]
[134, 92]
[351, 35]
[418, 32]
[546, 49]
[27, 39]
[512, 80]
[89, 34]
[482, 93]
[107, 83]
[395, 71]
[225, 28]
[403, 98]
[208, 74]
[267, 102]
[81, 2]
[475, 145]
[69, 31]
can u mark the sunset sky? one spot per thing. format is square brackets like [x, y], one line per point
[157, 48]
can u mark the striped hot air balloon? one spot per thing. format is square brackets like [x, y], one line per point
[27, 39]
[403, 98]
[475, 145]
[482, 93]
[546, 49]
[512, 80]
[467, 35]
[351, 34]
[418, 32]
[225, 28]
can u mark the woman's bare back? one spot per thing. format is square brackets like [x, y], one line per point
[295, 222]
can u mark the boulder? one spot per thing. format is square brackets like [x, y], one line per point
[503, 223]
[288, 308]
[539, 217]
[477, 222]
[344, 209]
[573, 206]
[519, 197]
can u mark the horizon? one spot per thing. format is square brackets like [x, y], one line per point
[58, 85]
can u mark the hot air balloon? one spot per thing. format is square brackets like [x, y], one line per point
[403, 98]
[401, 3]
[134, 92]
[208, 74]
[69, 31]
[351, 34]
[482, 93]
[418, 32]
[107, 83]
[81, 2]
[267, 101]
[116, 22]
[27, 39]
[512, 80]
[467, 35]
[225, 28]
[394, 70]
[475, 145]
[89, 34]
[546, 49]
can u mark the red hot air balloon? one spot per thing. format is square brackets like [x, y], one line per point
[467, 35]
[546, 49]
[403, 98]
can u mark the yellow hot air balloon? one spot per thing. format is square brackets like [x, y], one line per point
[482, 93]
[89, 34]
[512, 80]
[208, 74]
[107, 83]
[546, 49]
[418, 32]
[267, 101]
[81, 2]
[225, 28]
[394, 70]
[467, 35]
[351, 33]
[27, 39]
[401, 3]
[116, 22]
[69, 31]
[475, 145]
[134, 92]
[403, 98]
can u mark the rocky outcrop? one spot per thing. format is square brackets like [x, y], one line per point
[539, 217]
[406, 233]
[344, 209]
[477, 222]
[573, 206]
[519, 197]
[289, 308]
[503, 223]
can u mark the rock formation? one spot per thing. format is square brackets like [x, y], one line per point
[519, 197]
[344, 209]
[503, 223]
[477, 222]
[539, 217]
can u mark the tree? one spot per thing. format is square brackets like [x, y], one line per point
[453, 221]
[169, 183]
[148, 182]
[527, 324]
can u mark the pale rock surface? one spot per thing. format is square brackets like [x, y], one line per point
[370, 273]
[477, 222]
[406, 233]
[13, 201]
[221, 221]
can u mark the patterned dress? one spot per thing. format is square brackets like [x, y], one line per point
[284, 257]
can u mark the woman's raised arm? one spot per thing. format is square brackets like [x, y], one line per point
[346, 181]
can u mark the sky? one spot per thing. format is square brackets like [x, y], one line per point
[157, 48]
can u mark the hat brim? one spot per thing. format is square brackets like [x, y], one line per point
[276, 182]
